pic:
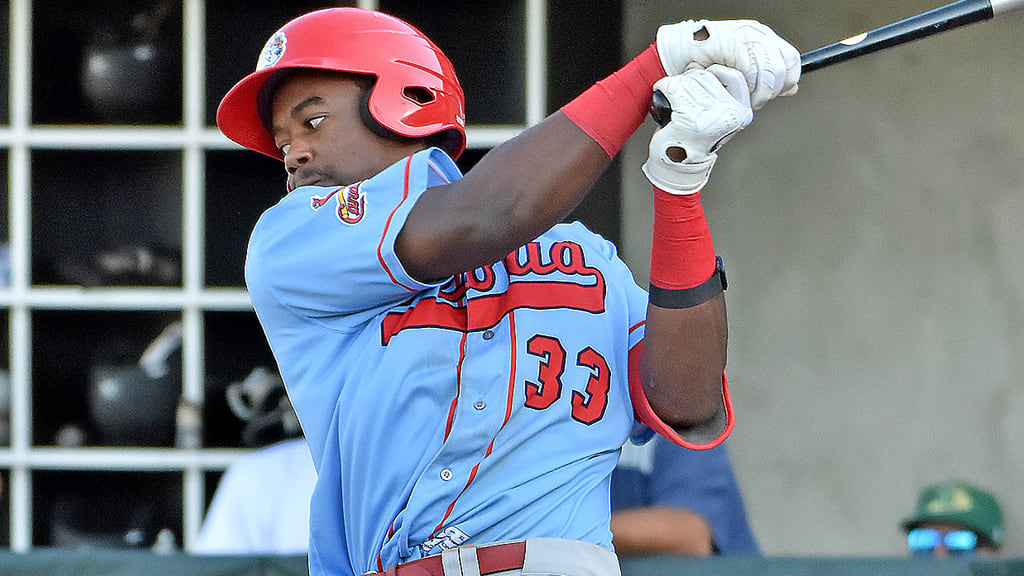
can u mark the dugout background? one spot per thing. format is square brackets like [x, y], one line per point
[869, 224]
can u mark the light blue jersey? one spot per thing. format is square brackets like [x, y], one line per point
[487, 407]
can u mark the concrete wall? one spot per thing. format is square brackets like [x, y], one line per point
[872, 230]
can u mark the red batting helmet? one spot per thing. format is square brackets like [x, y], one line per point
[416, 93]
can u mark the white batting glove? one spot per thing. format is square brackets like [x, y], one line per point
[708, 108]
[770, 64]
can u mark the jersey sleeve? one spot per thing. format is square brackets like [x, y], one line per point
[326, 252]
[703, 437]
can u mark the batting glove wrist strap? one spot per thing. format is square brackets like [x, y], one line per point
[770, 65]
[682, 178]
[708, 108]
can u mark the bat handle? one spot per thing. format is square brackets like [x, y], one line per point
[661, 110]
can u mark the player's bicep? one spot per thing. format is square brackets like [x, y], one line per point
[425, 241]
[447, 232]
[511, 196]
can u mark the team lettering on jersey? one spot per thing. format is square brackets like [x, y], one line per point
[559, 278]
[351, 204]
[450, 537]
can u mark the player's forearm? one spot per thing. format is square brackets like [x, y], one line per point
[683, 360]
[685, 335]
[660, 531]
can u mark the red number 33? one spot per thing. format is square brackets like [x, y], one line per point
[587, 407]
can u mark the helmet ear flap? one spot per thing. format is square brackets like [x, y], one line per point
[447, 140]
[365, 91]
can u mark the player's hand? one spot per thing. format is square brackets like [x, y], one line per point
[770, 64]
[708, 108]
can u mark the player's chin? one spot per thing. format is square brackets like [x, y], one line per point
[310, 180]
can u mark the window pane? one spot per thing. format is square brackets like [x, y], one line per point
[123, 510]
[486, 41]
[106, 62]
[89, 387]
[236, 350]
[106, 218]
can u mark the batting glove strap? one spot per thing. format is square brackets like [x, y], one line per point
[681, 178]
[677, 47]
[708, 108]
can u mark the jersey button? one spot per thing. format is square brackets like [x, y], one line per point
[446, 474]
[488, 334]
[479, 405]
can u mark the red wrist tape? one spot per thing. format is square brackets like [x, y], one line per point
[682, 254]
[611, 110]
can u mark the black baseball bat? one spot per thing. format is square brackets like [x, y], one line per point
[948, 17]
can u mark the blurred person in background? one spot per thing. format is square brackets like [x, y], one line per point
[954, 519]
[261, 505]
[669, 500]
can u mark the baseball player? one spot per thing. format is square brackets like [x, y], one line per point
[465, 368]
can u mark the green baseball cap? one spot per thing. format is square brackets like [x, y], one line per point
[961, 503]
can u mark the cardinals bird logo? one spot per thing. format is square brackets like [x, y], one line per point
[352, 205]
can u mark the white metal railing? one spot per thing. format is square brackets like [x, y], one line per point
[123, 459]
[193, 253]
[20, 57]
[177, 138]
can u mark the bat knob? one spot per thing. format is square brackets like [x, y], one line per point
[661, 110]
